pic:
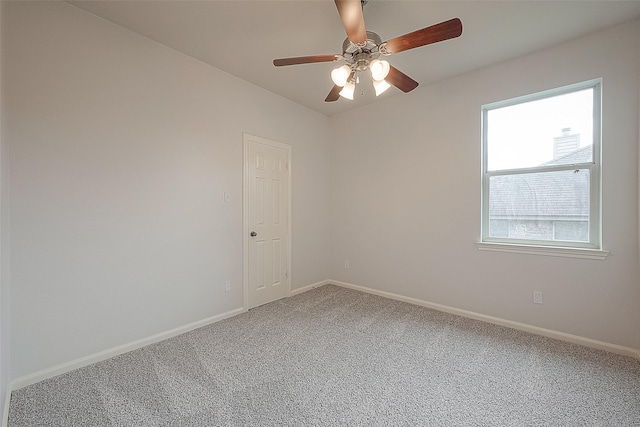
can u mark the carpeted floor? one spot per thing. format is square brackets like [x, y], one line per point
[333, 356]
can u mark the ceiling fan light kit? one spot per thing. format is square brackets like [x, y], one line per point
[348, 90]
[379, 69]
[361, 50]
[380, 86]
[340, 75]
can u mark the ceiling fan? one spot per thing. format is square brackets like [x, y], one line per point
[362, 49]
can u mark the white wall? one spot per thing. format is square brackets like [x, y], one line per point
[5, 342]
[120, 150]
[638, 56]
[405, 196]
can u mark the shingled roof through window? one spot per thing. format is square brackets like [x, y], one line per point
[544, 195]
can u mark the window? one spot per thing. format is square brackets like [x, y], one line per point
[541, 168]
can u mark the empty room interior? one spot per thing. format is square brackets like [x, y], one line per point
[203, 222]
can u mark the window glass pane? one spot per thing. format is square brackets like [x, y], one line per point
[540, 206]
[573, 231]
[552, 131]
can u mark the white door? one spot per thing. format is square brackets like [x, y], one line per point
[266, 208]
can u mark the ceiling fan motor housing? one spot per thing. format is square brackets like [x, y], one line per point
[359, 56]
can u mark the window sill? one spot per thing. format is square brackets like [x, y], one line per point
[596, 254]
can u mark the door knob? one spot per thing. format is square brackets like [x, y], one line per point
[253, 234]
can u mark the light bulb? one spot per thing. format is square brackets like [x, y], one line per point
[379, 69]
[380, 86]
[348, 90]
[340, 75]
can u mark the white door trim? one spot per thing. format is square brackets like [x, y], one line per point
[246, 139]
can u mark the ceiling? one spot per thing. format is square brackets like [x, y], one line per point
[243, 37]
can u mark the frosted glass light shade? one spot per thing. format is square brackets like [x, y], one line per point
[380, 86]
[379, 69]
[340, 75]
[348, 90]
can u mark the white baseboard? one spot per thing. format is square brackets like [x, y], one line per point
[5, 411]
[44, 374]
[309, 287]
[575, 339]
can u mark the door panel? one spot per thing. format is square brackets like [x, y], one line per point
[267, 202]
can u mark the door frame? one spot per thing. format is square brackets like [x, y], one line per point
[246, 140]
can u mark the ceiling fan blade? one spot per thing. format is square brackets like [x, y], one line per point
[436, 33]
[352, 19]
[400, 80]
[334, 95]
[305, 60]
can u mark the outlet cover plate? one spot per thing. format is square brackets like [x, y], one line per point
[537, 297]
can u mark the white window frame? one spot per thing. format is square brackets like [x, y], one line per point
[591, 249]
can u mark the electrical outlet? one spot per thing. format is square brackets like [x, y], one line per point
[227, 285]
[346, 263]
[537, 297]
